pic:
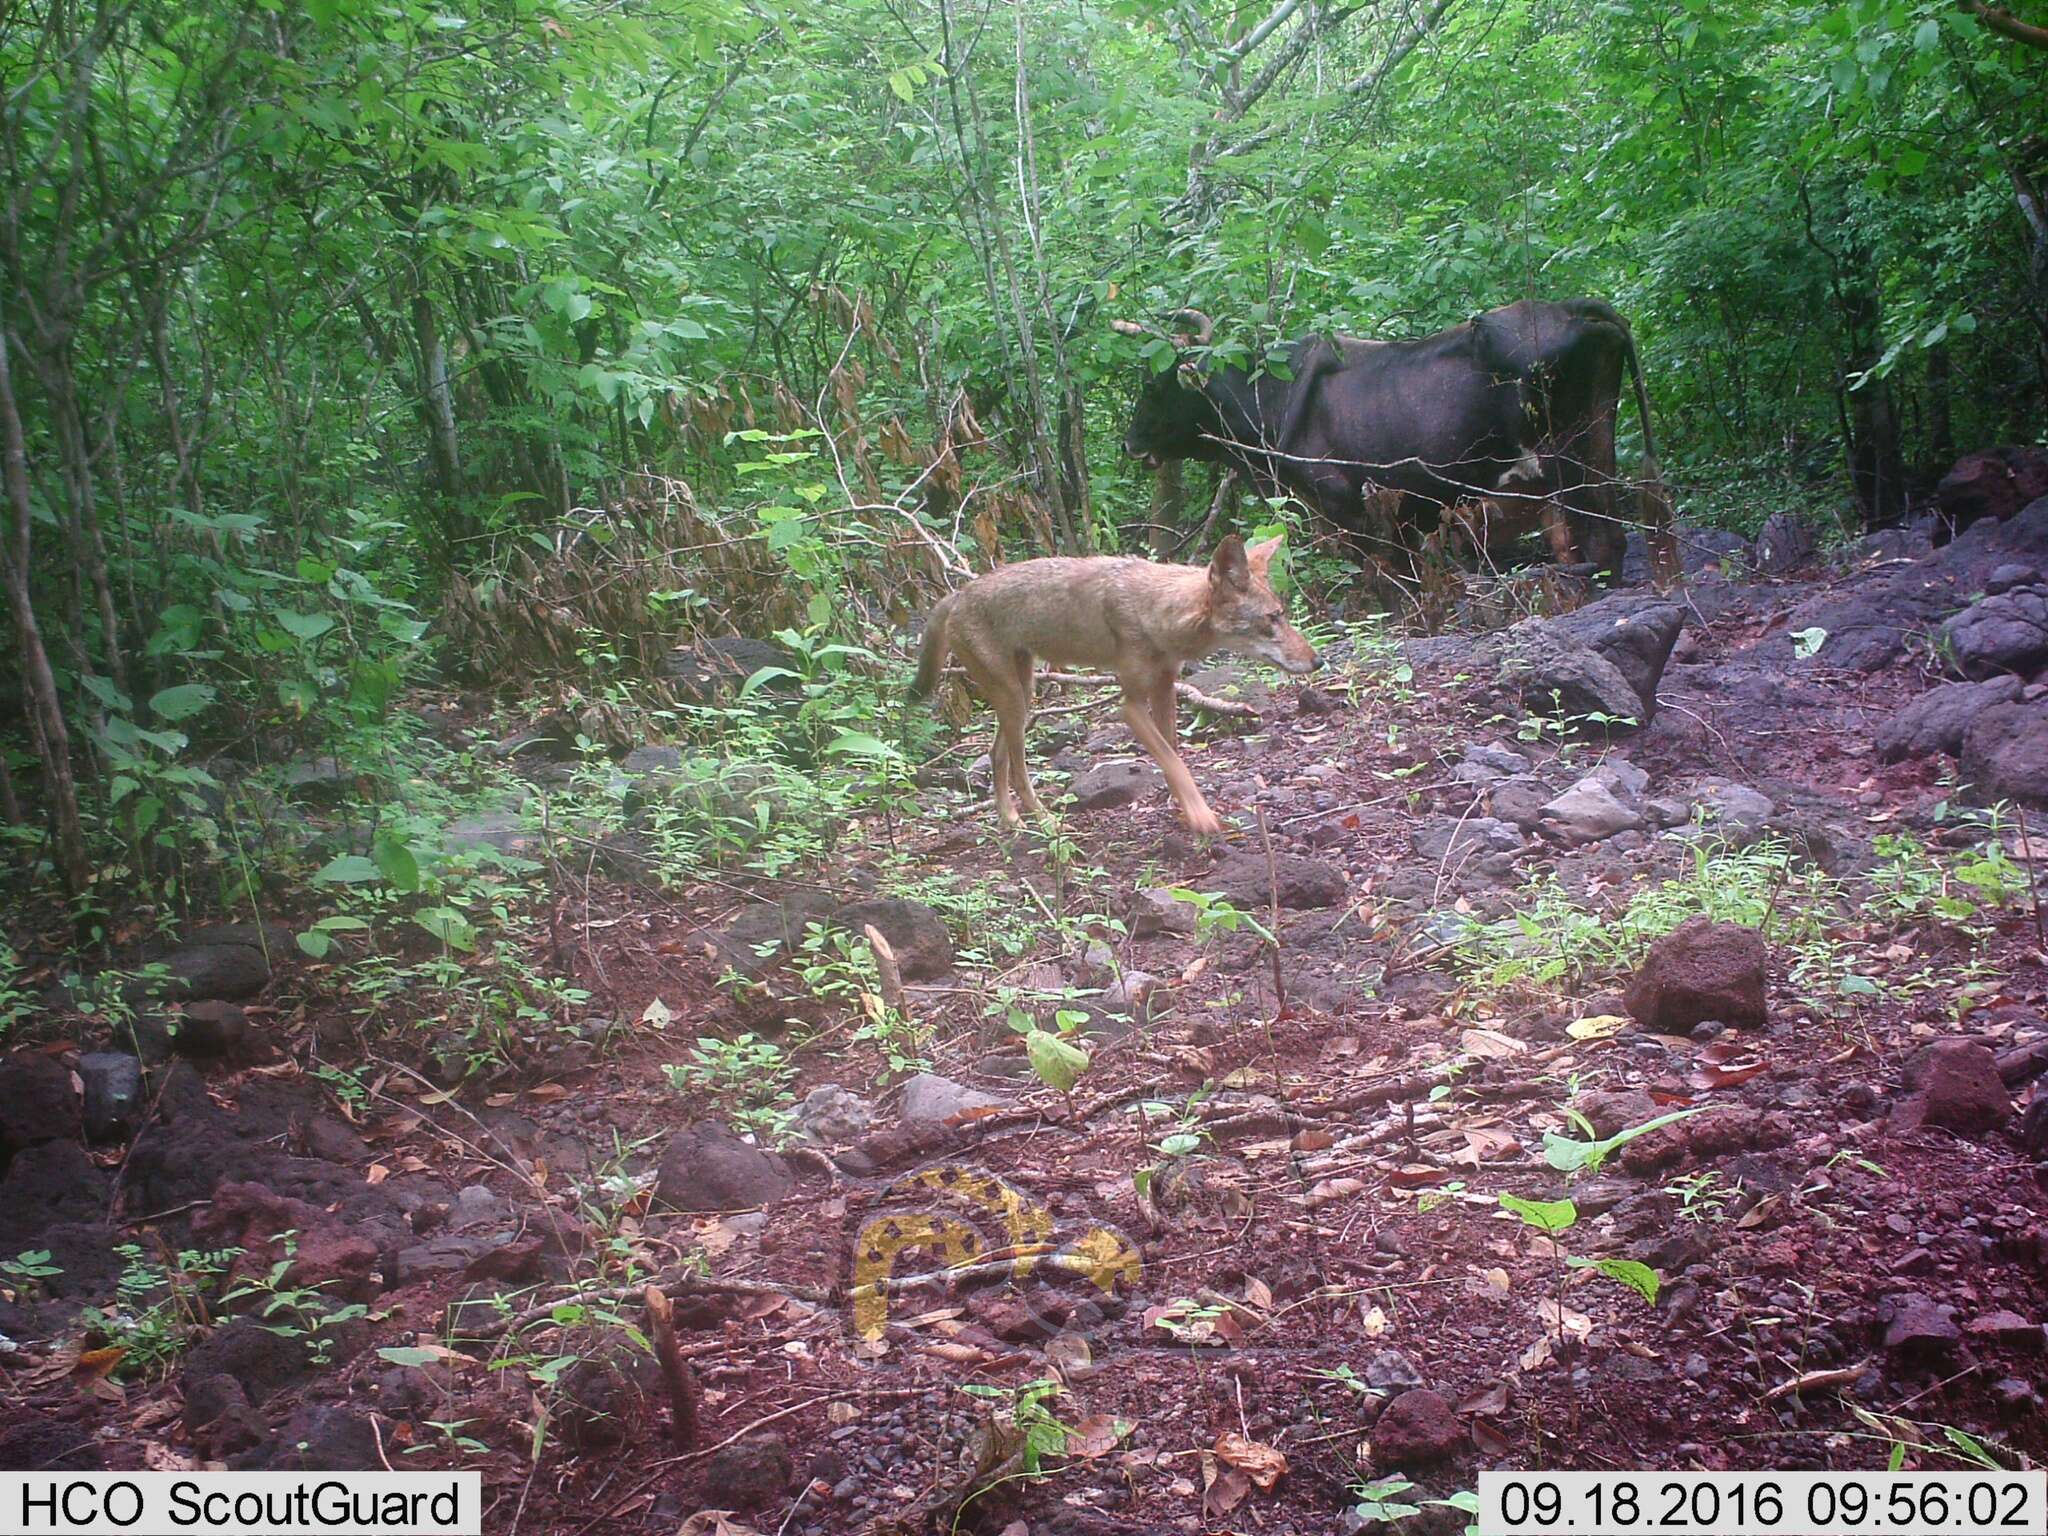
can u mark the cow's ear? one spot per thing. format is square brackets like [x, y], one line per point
[1261, 555]
[1230, 569]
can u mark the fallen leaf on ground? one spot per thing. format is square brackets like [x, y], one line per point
[1261, 1463]
[1096, 1435]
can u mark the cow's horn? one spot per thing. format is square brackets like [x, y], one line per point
[1208, 326]
[1127, 328]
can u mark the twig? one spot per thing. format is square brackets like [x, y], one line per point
[675, 1370]
[687, 1284]
[1273, 935]
[887, 972]
[2033, 875]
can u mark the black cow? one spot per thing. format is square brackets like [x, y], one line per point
[1514, 410]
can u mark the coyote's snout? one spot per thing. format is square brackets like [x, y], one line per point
[1129, 617]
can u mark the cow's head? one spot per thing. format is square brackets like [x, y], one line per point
[1174, 411]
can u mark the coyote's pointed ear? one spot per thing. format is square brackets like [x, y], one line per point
[1261, 555]
[1230, 569]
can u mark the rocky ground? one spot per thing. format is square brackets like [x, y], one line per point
[1714, 864]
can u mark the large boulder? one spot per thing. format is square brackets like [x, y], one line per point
[37, 1103]
[228, 972]
[705, 1167]
[1701, 970]
[1937, 721]
[1992, 485]
[1699, 549]
[1555, 674]
[1867, 623]
[1955, 1085]
[712, 669]
[924, 950]
[2006, 632]
[2005, 753]
[1633, 632]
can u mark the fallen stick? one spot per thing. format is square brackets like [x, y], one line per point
[675, 1370]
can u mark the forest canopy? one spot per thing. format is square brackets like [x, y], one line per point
[325, 321]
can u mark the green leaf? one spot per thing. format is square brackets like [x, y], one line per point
[1543, 1215]
[182, 702]
[347, 869]
[307, 626]
[394, 857]
[861, 744]
[449, 926]
[1058, 1063]
[106, 693]
[1639, 1278]
[403, 1356]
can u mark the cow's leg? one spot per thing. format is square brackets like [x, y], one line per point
[1139, 688]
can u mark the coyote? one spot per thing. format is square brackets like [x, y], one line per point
[1129, 617]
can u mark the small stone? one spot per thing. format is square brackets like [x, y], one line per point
[1920, 1326]
[1588, 812]
[1956, 1087]
[1158, 912]
[113, 1093]
[2008, 1329]
[1702, 970]
[705, 1167]
[1418, 1429]
[1109, 785]
[1390, 1369]
[929, 1097]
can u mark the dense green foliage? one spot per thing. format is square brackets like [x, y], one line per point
[318, 314]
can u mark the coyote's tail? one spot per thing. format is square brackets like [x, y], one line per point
[931, 656]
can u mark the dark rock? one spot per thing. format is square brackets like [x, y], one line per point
[1485, 764]
[2005, 577]
[1554, 674]
[1613, 1110]
[924, 950]
[1635, 633]
[1992, 485]
[1938, 720]
[2008, 1330]
[1701, 970]
[1158, 912]
[212, 1028]
[749, 1473]
[37, 1103]
[1108, 785]
[1520, 800]
[43, 1443]
[234, 972]
[113, 1094]
[2034, 1130]
[1446, 838]
[1917, 1326]
[1785, 543]
[1390, 1369]
[319, 777]
[1735, 808]
[773, 927]
[705, 1167]
[834, 1114]
[219, 1419]
[1588, 812]
[1869, 622]
[1241, 876]
[598, 1402]
[929, 1097]
[51, 1181]
[261, 1361]
[1955, 1086]
[2018, 1398]
[715, 668]
[2005, 753]
[1699, 549]
[318, 1437]
[2004, 633]
[1417, 1430]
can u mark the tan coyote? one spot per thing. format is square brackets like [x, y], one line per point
[1133, 618]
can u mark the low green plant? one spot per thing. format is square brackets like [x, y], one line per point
[1570, 1155]
[1216, 914]
[158, 1308]
[748, 1076]
[302, 1312]
[1053, 1053]
[28, 1271]
[1702, 1197]
[1027, 1408]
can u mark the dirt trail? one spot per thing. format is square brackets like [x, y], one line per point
[1260, 1245]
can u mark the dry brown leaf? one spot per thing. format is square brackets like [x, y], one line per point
[1493, 1399]
[1261, 1463]
[99, 1362]
[1482, 1142]
[376, 1175]
[1491, 1044]
[1258, 1293]
[1223, 1488]
[548, 1093]
[1313, 1141]
[1096, 1435]
[1375, 1322]
[1497, 1278]
[715, 1522]
[1757, 1214]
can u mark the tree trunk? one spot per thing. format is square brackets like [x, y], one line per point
[1941, 434]
[437, 405]
[47, 730]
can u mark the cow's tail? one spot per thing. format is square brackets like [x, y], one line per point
[1653, 497]
[931, 655]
